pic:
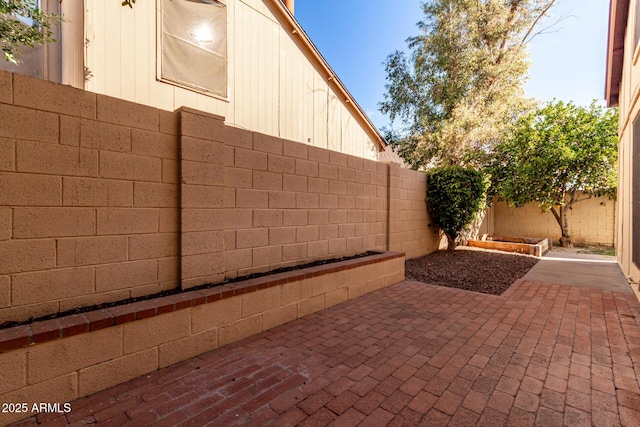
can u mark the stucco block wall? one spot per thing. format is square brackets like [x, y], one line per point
[590, 221]
[102, 199]
[88, 199]
[410, 227]
[253, 202]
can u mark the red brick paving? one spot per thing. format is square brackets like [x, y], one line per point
[410, 354]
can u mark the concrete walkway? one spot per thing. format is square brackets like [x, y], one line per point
[543, 354]
[569, 268]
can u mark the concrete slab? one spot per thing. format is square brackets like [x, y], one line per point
[592, 271]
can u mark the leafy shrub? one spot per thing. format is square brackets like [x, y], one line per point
[455, 195]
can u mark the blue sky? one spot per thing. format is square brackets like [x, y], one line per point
[355, 36]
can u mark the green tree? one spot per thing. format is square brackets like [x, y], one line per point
[461, 84]
[557, 156]
[23, 23]
[455, 195]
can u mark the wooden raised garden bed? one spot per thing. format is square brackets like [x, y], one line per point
[523, 245]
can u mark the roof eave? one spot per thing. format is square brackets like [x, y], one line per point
[618, 13]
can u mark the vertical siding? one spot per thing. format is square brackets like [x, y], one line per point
[254, 69]
[72, 36]
[113, 63]
[274, 81]
[354, 141]
[347, 132]
[273, 87]
[251, 35]
[144, 50]
[297, 87]
[286, 109]
[242, 65]
[159, 97]
[129, 59]
[305, 126]
[320, 90]
[334, 116]
[629, 111]
[624, 192]
[96, 44]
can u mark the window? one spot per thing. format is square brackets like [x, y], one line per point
[194, 44]
[40, 61]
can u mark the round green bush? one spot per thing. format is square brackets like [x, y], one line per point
[455, 195]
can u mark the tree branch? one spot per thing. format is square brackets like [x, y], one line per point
[583, 199]
[535, 22]
[556, 215]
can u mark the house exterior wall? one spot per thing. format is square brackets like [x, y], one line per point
[629, 112]
[590, 221]
[102, 199]
[275, 85]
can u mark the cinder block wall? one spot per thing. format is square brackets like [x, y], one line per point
[410, 227]
[591, 221]
[102, 199]
[253, 202]
[88, 198]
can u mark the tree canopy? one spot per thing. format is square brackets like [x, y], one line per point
[461, 84]
[558, 155]
[23, 23]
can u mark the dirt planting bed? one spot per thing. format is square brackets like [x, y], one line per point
[471, 269]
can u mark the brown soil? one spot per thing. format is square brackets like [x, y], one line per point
[471, 269]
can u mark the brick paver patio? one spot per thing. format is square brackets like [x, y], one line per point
[410, 354]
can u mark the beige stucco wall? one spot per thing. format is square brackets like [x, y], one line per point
[276, 86]
[629, 111]
[410, 227]
[102, 199]
[590, 221]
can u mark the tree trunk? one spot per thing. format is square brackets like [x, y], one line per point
[565, 240]
[561, 218]
[451, 242]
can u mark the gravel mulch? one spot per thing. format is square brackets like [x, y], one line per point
[471, 269]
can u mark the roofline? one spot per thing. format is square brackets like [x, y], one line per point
[331, 77]
[618, 14]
